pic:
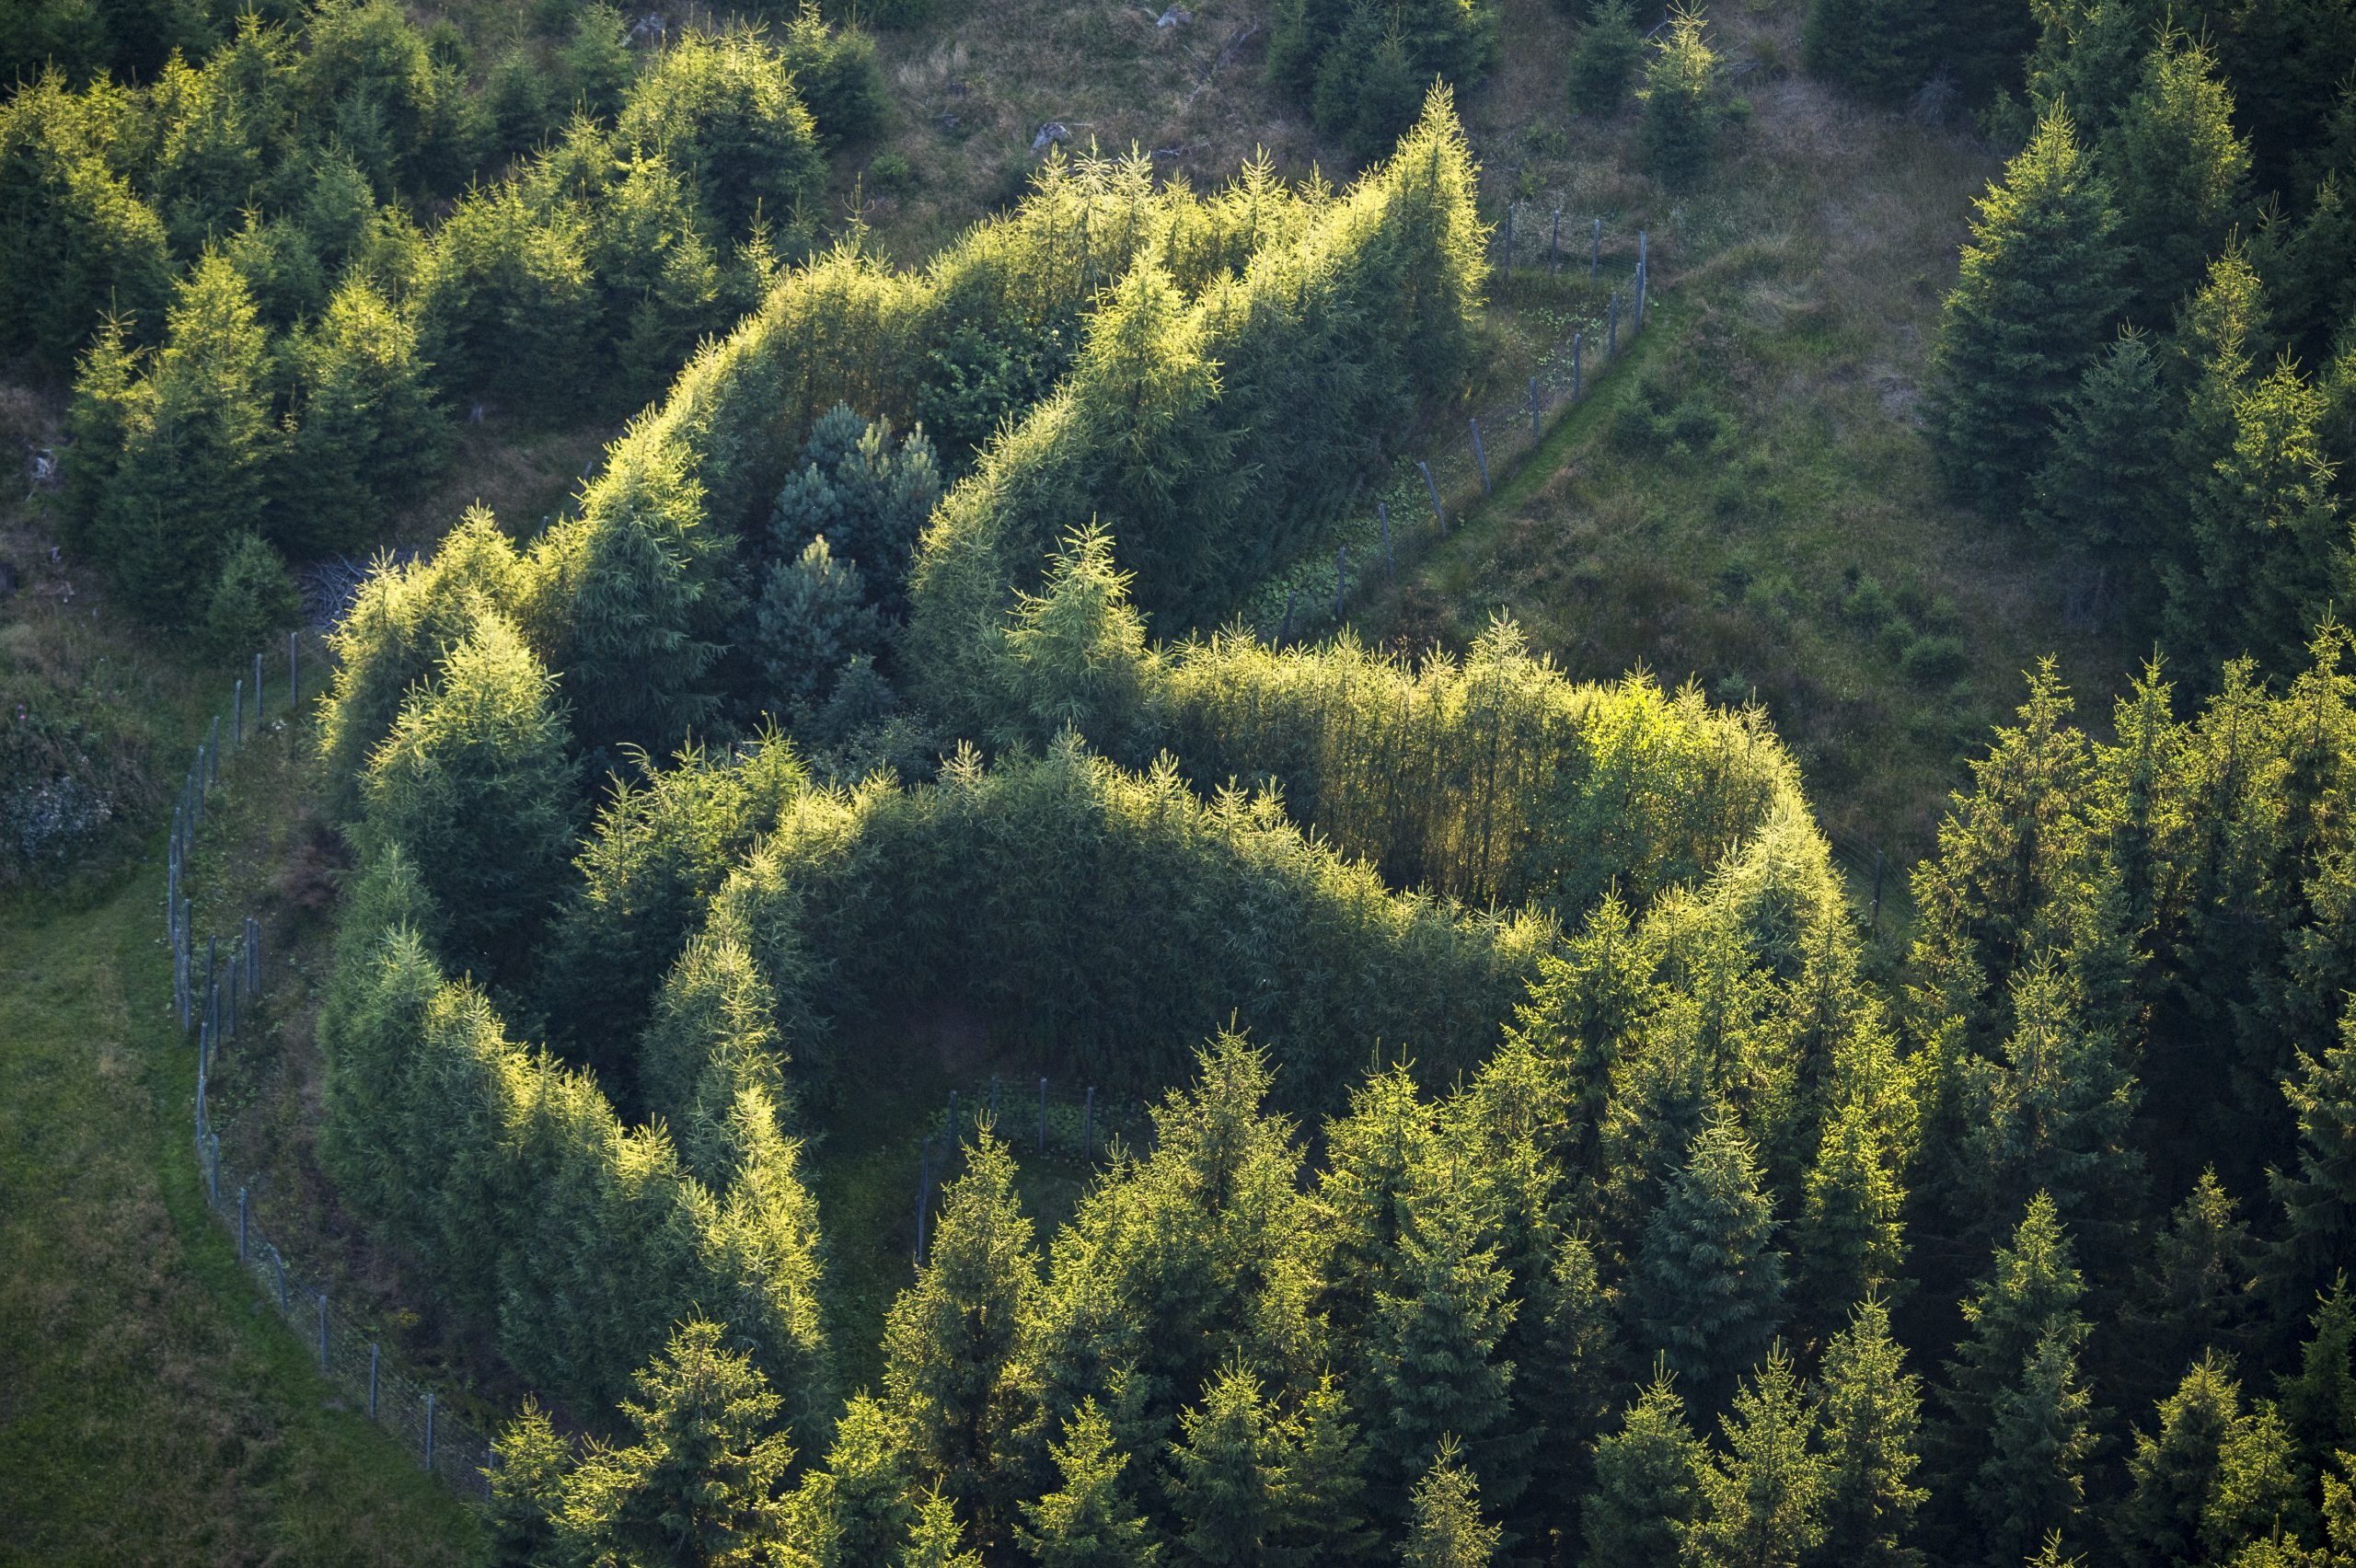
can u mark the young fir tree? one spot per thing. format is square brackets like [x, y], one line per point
[2102, 489]
[950, 1337]
[1445, 1529]
[1089, 1521]
[1850, 1241]
[2199, 1289]
[863, 1505]
[2032, 308]
[2180, 175]
[1076, 649]
[1682, 94]
[475, 785]
[812, 620]
[1570, 1380]
[363, 434]
[1763, 1502]
[1707, 1288]
[1603, 59]
[702, 1482]
[722, 108]
[2088, 58]
[192, 473]
[1879, 49]
[2032, 1485]
[1229, 1474]
[1647, 1483]
[1869, 1407]
[2261, 1492]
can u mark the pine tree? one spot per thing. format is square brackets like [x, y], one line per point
[1879, 49]
[2030, 311]
[1647, 1483]
[2175, 1469]
[1682, 95]
[1445, 1529]
[2179, 174]
[1869, 1407]
[949, 1338]
[1764, 1503]
[701, 1483]
[475, 785]
[2101, 490]
[1088, 1522]
[1707, 1288]
[2032, 1484]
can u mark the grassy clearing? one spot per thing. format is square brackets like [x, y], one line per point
[150, 1410]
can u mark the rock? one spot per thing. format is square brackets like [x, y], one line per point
[1052, 133]
[1174, 17]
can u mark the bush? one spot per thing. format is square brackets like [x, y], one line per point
[1932, 660]
[253, 599]
[723, 108]
[1603, 59]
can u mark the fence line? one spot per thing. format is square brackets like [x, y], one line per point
[1452, 471]
[211, 988]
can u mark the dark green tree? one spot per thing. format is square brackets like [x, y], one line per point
[2180, 175]
[1088, 1520]
[1603, 57]
[1707, 1288]
[2103, 488]
[936, 1539]
[2319, 1400]
[2032, 1485]
[2320, 1198]
[2175, 1469]
[1682, 96]
[812, 620]
[1647, 1483]
[722, 108]
[254, 599]
[1230, 1475]
[1879, 49]
[1869, 1407]
[363, 434]
[2030, 311]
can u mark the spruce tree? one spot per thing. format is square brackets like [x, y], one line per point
[811, 622]
[1445, 1529]
[1869, 1407]
[2180, 175]
[526, 1483]
[1763, 1502]
[1322, 1512]
[1850, 1240]
[2033, 306]
[475, 785]
[2102, 490]
[2319, 1400]
[2261, 1492]
[2175, 1469]
[364, 436]
[2201, 1287]
[197, 443]
[1088, 1521]
[2032, 1485]
[865, 1501]
[1683, 94]
[1603, 57]
[253, 600]
[935, 1538]
[1230, 1475]
[701, 1482]
[721, 108]
[1707, 1288]
[1879, 49]
[1647, 1483]
[2320, 1198]
[949, 1338]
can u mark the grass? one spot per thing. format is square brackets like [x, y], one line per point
[150, 1410]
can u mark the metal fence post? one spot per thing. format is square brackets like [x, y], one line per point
[1479, 455]
[1439, 514]
[1292, 603]
[429, 1429]
[323, 1305]
[1554, 244]
[257, 692]
[1640, 296]
[241, 1225]
[375, 1351]
[237, 712]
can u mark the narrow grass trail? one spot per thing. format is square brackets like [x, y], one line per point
[150, 1411]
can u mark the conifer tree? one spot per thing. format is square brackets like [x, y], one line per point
[1870, 1408]
[1764, 1502]
[1647, 1483]
[2175, 1469]
[1323, 1516]
[2180, 175]
[1077, 648]
[1230, 1475]
[1603, 57]
[1707, 1288]
[1089, 1521]
[1850, 1240]
[196, 445]
[702, 1481]
[1569, 1381]
[2261, 1488]
[2319, 1199]
[1682, 95]
[2199, 1289]
[722, 108]
[2030, 311]
[812, 621]
[253, 600]
[506, 299]
[363, 435]
[526, 1483]
[1879, 49]
[2089, 57]
[950, 1337]
[1445, 1529]
[2102, 489]
[863, 1505]
[2319, 1401]
[935, 1538]
[475, 785]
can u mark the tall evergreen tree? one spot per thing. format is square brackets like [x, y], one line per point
[1089, 1521]
[1230, 1474]
[2031, 310]
[1879, 49]
[1682, 95]
[1647, 1483]
[363, 434]
[2032, 1486]
[1707, 1288]
[2319, 1400]
[1870, 1408]
[2103, 488]
[2175, 1469]
[1762, 1504]
[936, 1539]
[2180, 175]
[2320, 1198]
[1445, 1529]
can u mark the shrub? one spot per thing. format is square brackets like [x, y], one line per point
[1932, 659]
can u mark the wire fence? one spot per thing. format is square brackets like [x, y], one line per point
[1038, 1118]
[215, 985]
[1452, 468]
